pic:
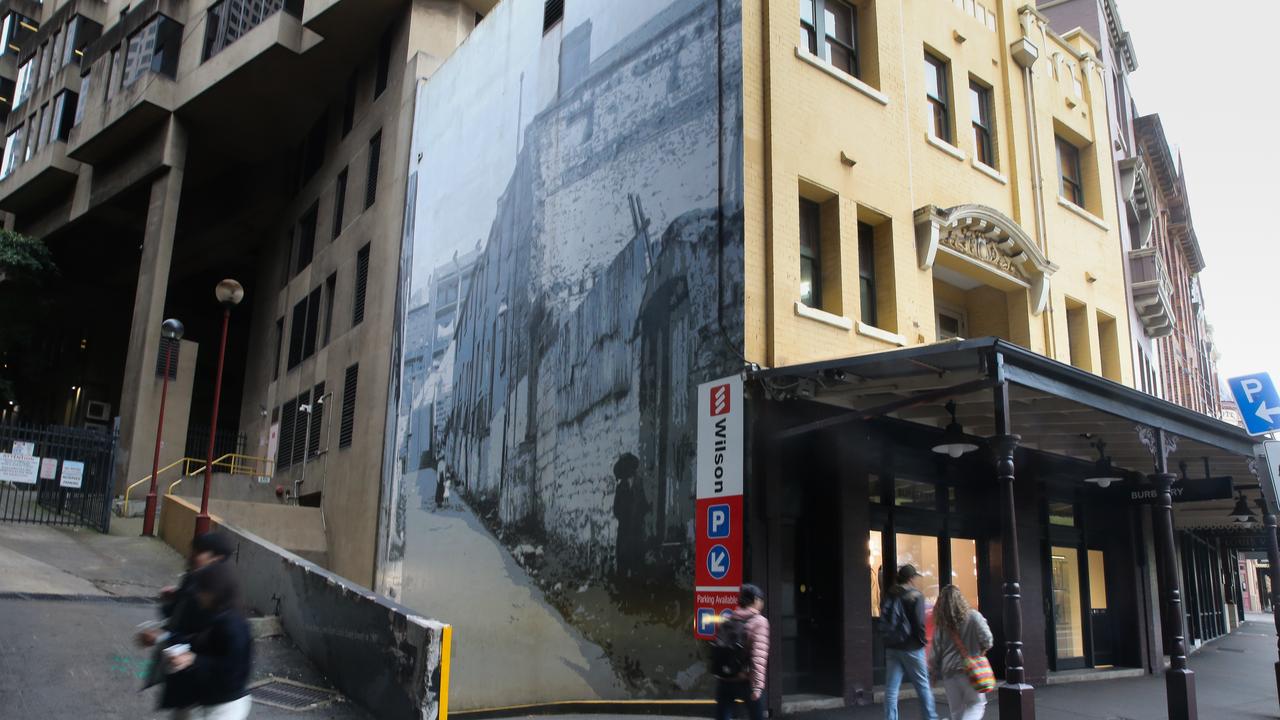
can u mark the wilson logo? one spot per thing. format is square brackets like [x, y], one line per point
[719, 400]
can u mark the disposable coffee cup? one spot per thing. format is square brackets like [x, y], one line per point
[174, 651]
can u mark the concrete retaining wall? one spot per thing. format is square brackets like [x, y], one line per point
[380, 654]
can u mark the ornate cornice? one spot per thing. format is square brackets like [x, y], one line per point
[990, 238]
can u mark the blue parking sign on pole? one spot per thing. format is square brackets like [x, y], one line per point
[1259, 402]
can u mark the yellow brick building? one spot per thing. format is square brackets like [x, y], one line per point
[922, 171]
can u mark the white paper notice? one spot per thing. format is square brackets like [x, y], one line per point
[19, 468]
[72, 474]
[48, 468]
[24, 448]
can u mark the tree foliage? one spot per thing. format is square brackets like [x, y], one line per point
[26, 268]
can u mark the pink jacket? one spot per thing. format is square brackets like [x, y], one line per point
[758, 632]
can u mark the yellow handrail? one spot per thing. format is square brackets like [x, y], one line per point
[129, 490]
[233, 464]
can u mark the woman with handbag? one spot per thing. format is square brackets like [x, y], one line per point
[961, 639]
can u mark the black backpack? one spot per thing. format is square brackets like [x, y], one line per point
[895, 626]
[731, 650]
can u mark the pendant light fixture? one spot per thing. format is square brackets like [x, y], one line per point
[1103, 474]
[1241, 512]
[954, 442]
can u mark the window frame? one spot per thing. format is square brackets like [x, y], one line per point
[867, 311]
[1070, 188]
[982, 120]
[811, 209]
[818, 38]
[939, 107]
[339, 203]
[960, 315]
[374, 167]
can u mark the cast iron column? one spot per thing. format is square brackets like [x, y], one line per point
[1273, 557]
[1180, 681]
[1017, 698]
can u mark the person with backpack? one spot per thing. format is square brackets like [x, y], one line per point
[961, 639]
[740, 656]
[902, 623]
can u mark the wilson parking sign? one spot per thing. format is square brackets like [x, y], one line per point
[718, 513]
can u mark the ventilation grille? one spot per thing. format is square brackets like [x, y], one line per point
[348, 426]
[291, 695]
[362, 285]
[163, 356]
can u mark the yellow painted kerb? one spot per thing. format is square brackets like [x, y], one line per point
[446, 652]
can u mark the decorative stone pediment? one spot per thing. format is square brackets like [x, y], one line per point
[990, 239]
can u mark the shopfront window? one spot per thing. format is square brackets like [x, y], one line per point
[915, 494]
[964, 568]
[1062, 514]
[875, 558]
[1097, 581]
[922, 552]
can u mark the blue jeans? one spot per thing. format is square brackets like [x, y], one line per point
[910, 663]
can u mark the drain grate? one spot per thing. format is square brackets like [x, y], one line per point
[291, 695]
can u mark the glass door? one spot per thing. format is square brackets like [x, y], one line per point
[1100, 624]
[1068, 607]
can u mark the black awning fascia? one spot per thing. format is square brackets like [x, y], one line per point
[1029, 369]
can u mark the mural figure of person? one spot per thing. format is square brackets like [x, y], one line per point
[630, 509]
[442, 490]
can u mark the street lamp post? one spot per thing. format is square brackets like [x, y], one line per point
[171, 330]
[229, 294]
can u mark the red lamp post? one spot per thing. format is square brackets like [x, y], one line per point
[229, 294]
[171, 330]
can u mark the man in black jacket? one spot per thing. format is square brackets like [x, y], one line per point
[907, 657]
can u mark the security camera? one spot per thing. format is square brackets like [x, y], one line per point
[305, 409]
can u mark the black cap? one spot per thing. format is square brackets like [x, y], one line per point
[748, 594]
[906, 572]
[212, 542]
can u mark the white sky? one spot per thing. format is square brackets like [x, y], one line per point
[1208, 70]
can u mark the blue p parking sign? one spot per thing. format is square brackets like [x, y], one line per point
[1259, 402]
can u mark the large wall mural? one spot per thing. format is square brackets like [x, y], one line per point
[573, 272]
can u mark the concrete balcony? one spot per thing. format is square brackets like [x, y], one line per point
[1152, 291]
[49, 173]
[107, 126]
[339, 18]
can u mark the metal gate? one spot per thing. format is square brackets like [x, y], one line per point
[54, 475]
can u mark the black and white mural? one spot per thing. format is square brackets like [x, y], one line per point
[572, 270]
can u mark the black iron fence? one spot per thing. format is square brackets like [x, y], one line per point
[54, 475]
[224, 442]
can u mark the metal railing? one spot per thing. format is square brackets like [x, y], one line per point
[234, 464]
[230, 463]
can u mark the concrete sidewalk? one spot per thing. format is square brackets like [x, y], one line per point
[1234, 679]
[70, 601]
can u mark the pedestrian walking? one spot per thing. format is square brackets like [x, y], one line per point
[209, 671]
[740, 656]
[902, 623]
[961, 639]
[181, 613]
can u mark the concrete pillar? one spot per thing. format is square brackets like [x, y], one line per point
[140, 392]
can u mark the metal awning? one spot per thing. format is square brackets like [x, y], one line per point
[1054, 407]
